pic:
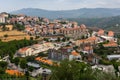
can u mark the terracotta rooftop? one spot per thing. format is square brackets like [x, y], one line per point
[88, 39]
[75, 53]
[110, 44]
[43, 60]
[14, 72]
[101, 32]
[92, 38]
[23, 49]
[110, 33]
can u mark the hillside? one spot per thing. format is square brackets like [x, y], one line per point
[13, 35]
[110, 23]
[78, 13]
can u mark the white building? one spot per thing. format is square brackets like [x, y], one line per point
[75, 56]
[109, 38]
[33, 65]
[26, 51]
[110, 57]
[105, 68]
[34, 49]
[2, 19]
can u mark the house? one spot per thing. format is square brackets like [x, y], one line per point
[100, 32]
[26, 51]
[108, 38]
[90, 40]
[2, 19]
[44, 60]
[91, 59]
[14, 72]
[75, 56]
[63, 53]
[88, 50]
[34, 49]
[40, 71]
[37, 48]
[35, 65]
[4, 14]
[110, 33]
[111, 44]
[60, 54]
[110, 57]
[57, 54]
[75, 31]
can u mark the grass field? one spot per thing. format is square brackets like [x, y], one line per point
[13, 35]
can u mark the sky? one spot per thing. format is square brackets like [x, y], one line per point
[11, 5]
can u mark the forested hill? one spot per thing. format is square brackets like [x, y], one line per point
[110, 23]
[76, 13]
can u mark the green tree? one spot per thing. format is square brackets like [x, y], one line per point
[71, 70]
[31, 68]
[16, 60]
[23, 63]
[63, 39]
[19, 27]
[31, 38]
[5, 36]
[58, 39]
[3, 64]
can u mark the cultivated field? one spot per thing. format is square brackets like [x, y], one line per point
[13, 35]
[14, 32]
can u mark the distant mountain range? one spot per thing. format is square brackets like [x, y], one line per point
[78, 13]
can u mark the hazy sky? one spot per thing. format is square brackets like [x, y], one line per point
[11, 5]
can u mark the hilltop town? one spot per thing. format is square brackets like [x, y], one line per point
[33, 46]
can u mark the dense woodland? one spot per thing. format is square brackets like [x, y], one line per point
[9, 48]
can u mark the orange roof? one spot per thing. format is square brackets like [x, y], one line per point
[110, 33]
[75, 53]
[46, 61]
[101, 32]
[23, 49]
[90, 39]
[14, 72]
[29, 28]
[110, 44]
[51, 24]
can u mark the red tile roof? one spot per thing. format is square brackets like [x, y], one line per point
[110, 33]
[43, 60]
[23, 49]
[14, 72]
[101, 32]
[110, 44]
[75, 53]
